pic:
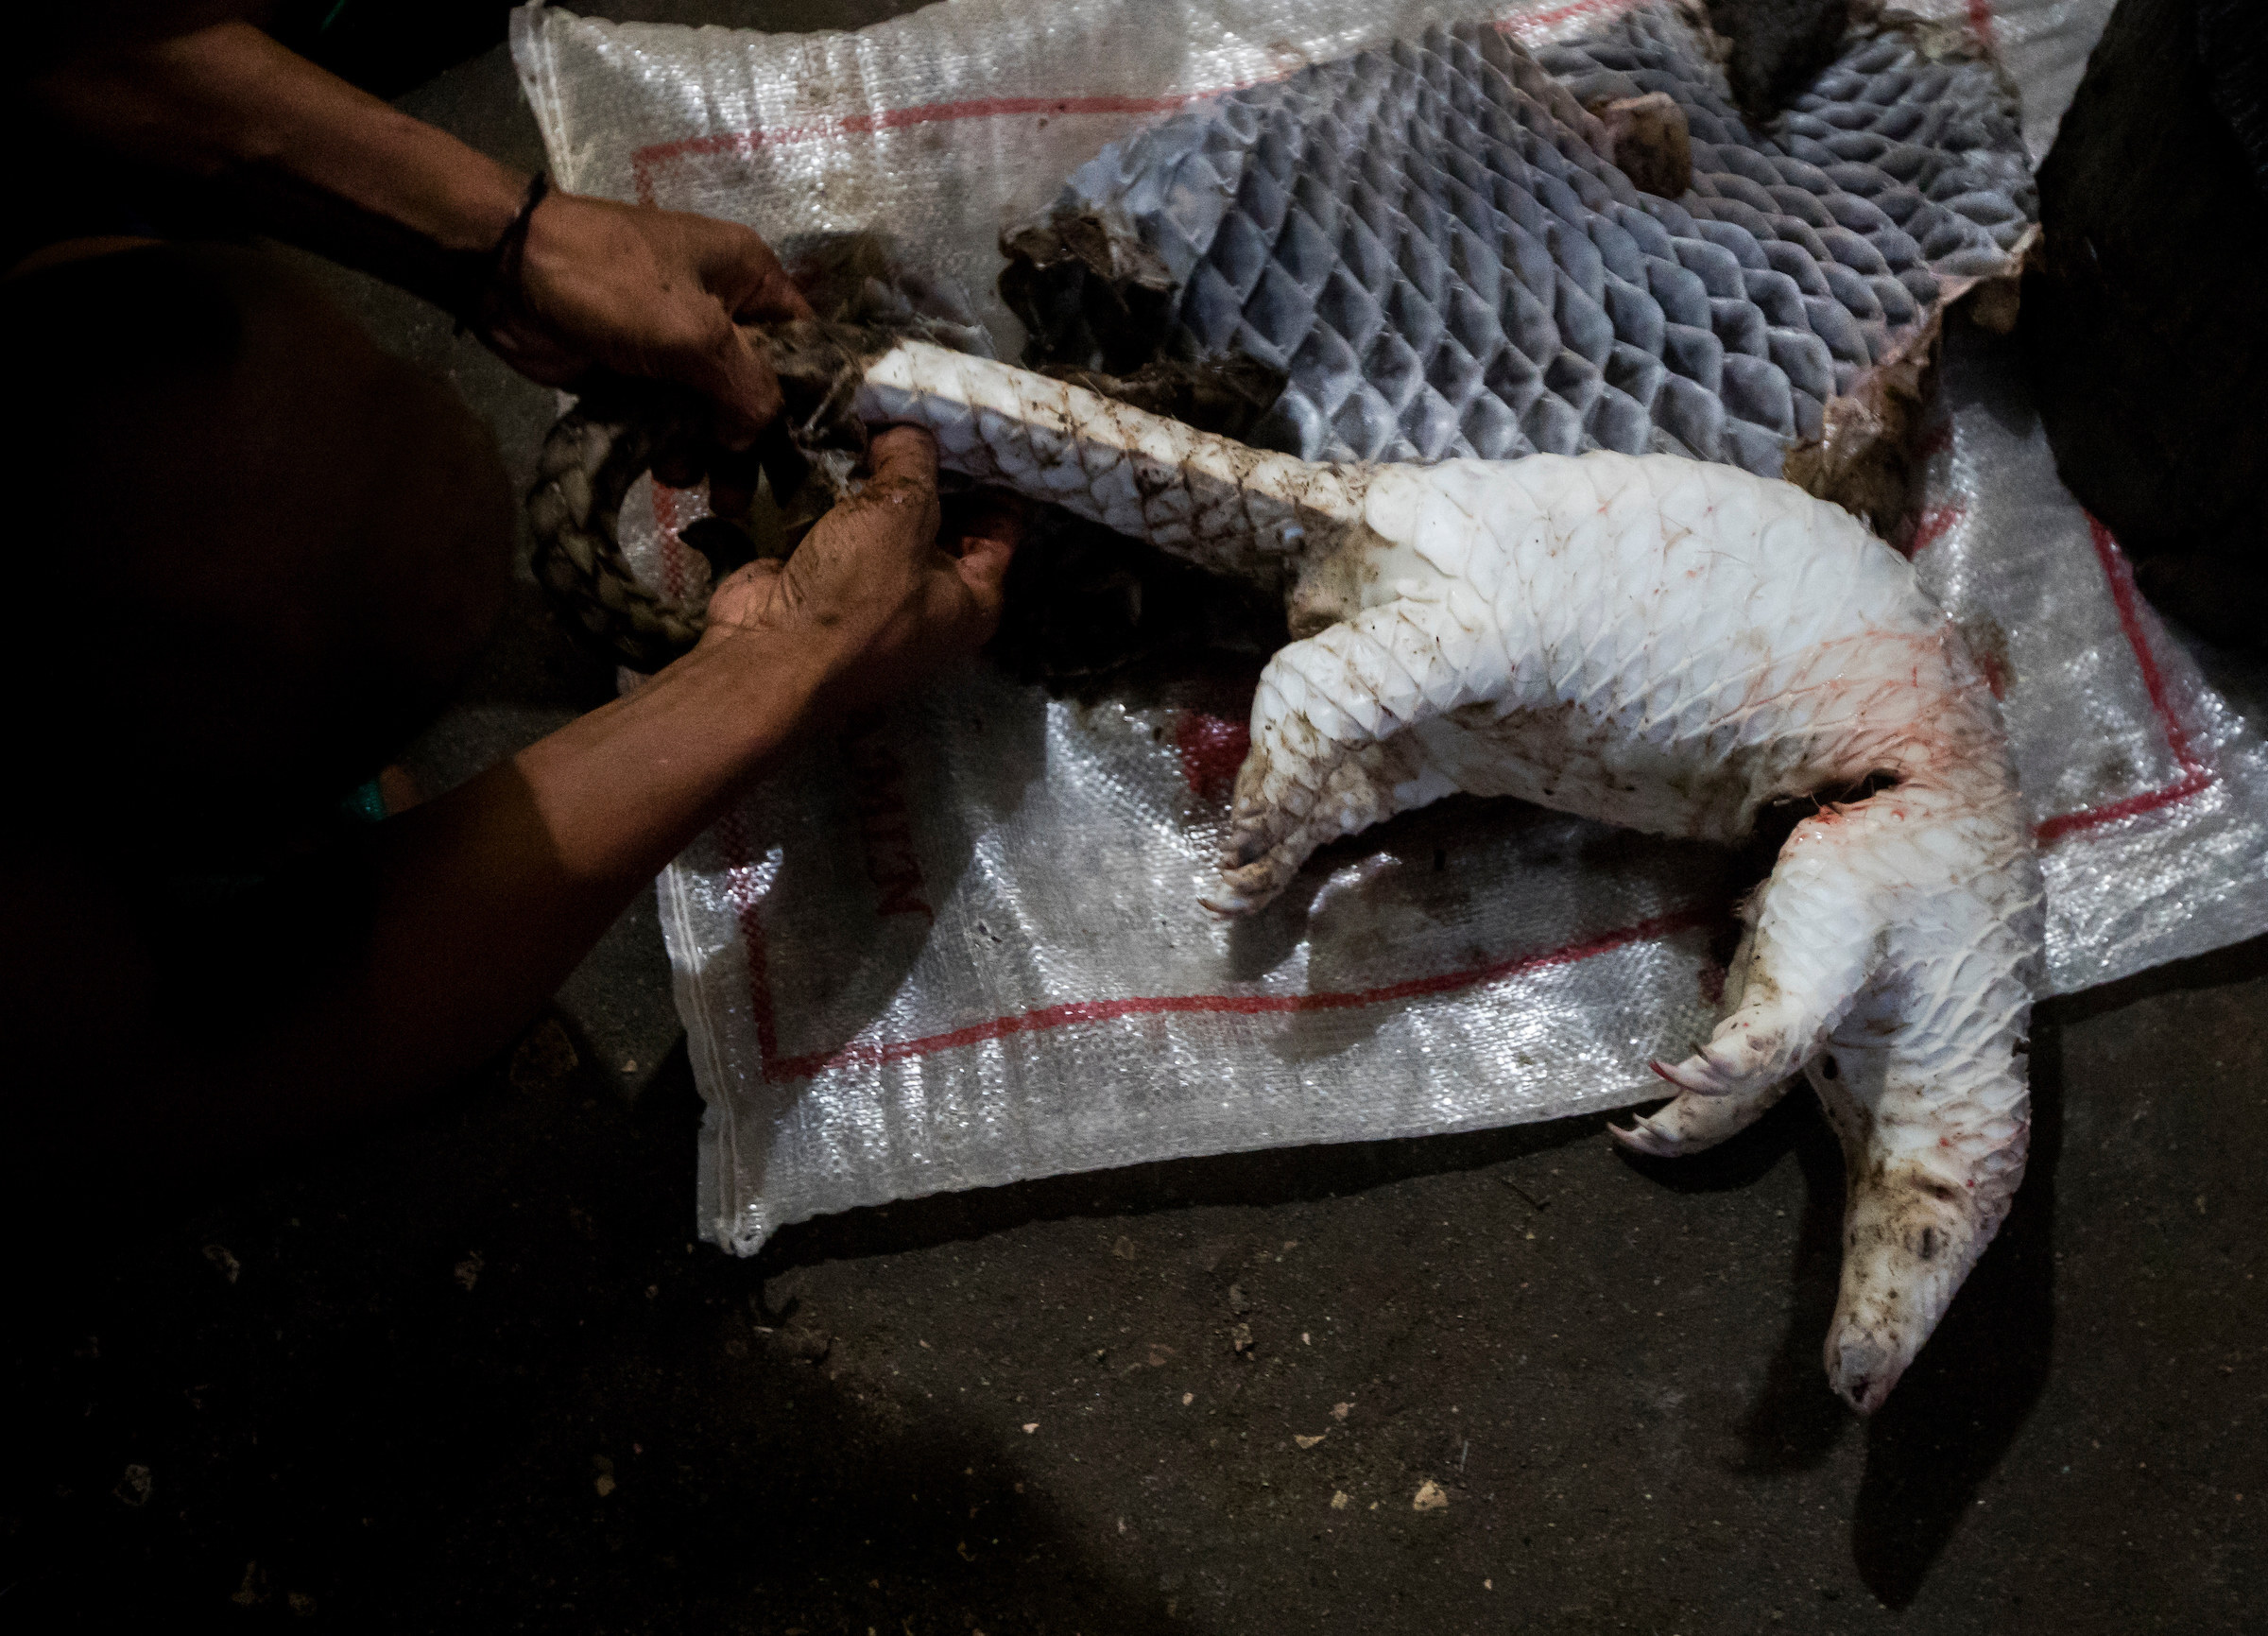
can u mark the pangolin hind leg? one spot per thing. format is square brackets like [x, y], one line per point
[1925, 1081]
[1931, 896]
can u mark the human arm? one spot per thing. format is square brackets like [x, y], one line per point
[508, 883]
[594, 286]
[480, 903]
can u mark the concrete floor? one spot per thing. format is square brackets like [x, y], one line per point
[471, 1374]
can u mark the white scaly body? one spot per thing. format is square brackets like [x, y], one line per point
[1654, 642]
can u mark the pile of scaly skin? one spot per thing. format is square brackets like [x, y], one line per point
[1646, 640]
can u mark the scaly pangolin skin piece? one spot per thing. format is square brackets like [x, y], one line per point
[1649, 641]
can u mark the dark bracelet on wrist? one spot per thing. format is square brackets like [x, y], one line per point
[498, 273]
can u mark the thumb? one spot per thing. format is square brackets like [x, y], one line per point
[988, 532]
[740, 384]
[744, 593]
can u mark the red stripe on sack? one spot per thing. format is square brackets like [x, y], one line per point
[673, 548]
[1077, 1011]
[644, 160]
[1932, 527]
[2196, 774]
[1537, 22]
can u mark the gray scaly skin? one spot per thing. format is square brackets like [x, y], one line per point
[1654, 642]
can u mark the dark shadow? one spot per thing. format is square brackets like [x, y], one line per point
[389, 50]
[1954, 1416]
[1795, 1420]
[2237, 963]
[1951, 1419]
[1259, 944]
[535, 662]
[465, 1374]
[1270, 1175]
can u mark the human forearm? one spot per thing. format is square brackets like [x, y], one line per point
[483, 900]
[473, 908]
[541, 854]
[382, 972]
[581, 287]
[444, 932]
[315, 160]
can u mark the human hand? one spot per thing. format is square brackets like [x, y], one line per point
[633, 290]
[874, 584]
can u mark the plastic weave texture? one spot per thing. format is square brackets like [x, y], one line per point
[1431, 238]
[961, 947]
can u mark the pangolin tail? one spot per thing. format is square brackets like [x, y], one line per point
[1231, 509]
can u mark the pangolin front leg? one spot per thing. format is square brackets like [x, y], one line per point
[1332, 750]
[1695, 1121]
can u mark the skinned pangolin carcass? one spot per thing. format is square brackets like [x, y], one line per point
[1647, 640]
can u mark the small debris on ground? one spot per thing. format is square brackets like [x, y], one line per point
[543, 1057]
[1429, 1497]
[1240, 1338]
[1307, 1442]
[1188, 1398]
[1340, 1499]
[1123, 1248]
[803, 1345]
[223, 1263]
[1339, 1412]
[1539, 1204]
[1030, 1426]
[468, 1270]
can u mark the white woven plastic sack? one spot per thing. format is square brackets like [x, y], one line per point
[962, 947]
